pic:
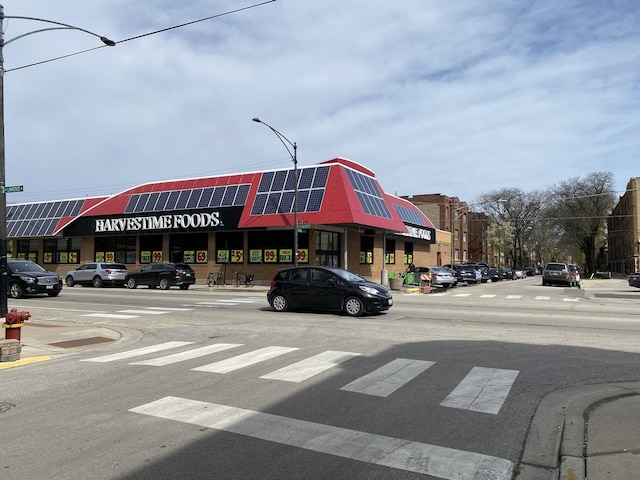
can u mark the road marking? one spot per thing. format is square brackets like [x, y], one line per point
[305, 369]
[514, 296]
[213, 304]
[144, 312]
[24, 361]
[171, 309]
[137, 352]
[570, 299]
[110, 315]
[487, 296]
[439, 462]
[244, 360]
[237, 300]
[462, 295]
[482, 390]
[388, 378]
[541, 297]
[188, 355]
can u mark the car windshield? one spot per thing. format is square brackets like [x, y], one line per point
[348, 276]
[22, 267]
[555, 266]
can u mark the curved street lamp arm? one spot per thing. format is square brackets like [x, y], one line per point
[63, 26]
[282, 139]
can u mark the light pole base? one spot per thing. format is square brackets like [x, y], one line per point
[384, 278]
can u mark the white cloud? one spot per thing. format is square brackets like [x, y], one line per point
[452, 97]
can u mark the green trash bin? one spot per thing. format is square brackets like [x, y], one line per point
[410, 278]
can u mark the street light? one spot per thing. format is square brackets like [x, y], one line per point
[294, 156]
[3, 198]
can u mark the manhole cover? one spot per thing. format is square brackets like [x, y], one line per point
[4, 406]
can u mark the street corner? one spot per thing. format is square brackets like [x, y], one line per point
[4, 365]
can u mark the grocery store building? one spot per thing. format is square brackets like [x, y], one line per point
[242, 222]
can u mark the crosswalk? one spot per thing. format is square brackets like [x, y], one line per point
[452, 294]
[129, 313]
[483, 390]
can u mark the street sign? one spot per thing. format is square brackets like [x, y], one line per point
[14, 188]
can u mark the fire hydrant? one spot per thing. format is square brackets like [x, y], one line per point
[14, 321]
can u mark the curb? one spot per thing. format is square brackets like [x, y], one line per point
[556, 443]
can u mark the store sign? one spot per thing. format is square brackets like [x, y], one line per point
[427, 234]
[159, 222]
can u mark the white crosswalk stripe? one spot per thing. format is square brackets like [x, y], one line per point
[188, 355]
[422, 458]
[110, 315]
[305, 369]
[542, 297]
[482, 390]
[245, 360]
[514, 296]
[144, 312]
[488, 296]
[137, 352]
[388, 378]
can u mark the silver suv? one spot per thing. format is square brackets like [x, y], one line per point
[558, 273]
[97, 274]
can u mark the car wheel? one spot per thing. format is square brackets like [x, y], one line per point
[164, 283]
[184, 287]
[353, 307]
[131, 282]
[279, 303]
[69, 281]
[16, 290]
[97, 282]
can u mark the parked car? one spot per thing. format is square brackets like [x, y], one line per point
[163, 275]
[508, 273]
[29, 278]
[531, 271]
[483, 268]
[576, 273]
[457, 277]
[557, 273]
[467, 272]
[97, 274]
[496, 274]
[634, 280]
[326, 289]
[520, 273]
[439, 276]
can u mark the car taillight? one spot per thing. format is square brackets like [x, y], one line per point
[273, 283]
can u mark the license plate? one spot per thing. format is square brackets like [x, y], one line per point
[391, 301]
[49, 287]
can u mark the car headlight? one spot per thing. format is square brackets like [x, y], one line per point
[27, 279]
[369, 290]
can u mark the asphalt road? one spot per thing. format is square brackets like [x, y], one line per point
[442, 386]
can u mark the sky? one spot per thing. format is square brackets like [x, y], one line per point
[435, 96]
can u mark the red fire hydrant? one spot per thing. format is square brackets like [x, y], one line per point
[14, 321]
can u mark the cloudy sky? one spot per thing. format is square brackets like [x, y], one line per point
[435, 96]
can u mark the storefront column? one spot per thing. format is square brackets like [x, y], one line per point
[345, 250]
[384, 280]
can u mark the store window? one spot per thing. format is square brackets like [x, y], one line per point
[151, 249]
[189, 248]
[230, 247]
[390, 252]
[27, 249]
[408, 253]
[327, 248]
[121, 249]
[276, 246]
[366, 249]
[61, 250]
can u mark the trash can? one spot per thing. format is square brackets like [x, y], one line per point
[410, 278]
[396, 283]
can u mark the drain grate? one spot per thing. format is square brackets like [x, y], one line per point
[81, 342]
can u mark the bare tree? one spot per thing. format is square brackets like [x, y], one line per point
[580, 207]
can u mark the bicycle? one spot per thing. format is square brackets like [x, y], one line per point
[215, 279]
[245, 279]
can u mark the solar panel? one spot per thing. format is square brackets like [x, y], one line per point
[368, 194]
[410, 216]
[194, 199]
[229, 195]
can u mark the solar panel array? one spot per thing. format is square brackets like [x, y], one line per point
[276, 192]
[410, 216]
[39, 219]
[368, 194]
[223, 196]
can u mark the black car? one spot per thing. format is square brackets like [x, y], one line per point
[29, 278]
[509, 273]
[163, 275]
[326, 289]
[634, 280]
[496, 274]
[467, 273]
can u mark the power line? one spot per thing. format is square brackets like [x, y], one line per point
[162, 30]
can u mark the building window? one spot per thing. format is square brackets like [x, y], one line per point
[121, 249]
[366, 249]
[456, 255]
[61, 250]
[27, 249]
[456, 235]
[464, 236]
[230, 247]
[189, 248]
[390, 252]
[151, 249]
[327, 248]
[271, 247]
[408, 253]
